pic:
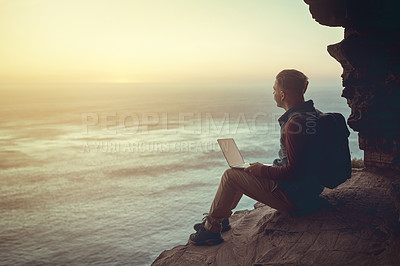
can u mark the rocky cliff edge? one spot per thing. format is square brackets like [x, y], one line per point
[359, 226]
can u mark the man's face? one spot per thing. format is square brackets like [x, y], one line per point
[278, 94]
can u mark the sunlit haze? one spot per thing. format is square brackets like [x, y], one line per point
[161, 41]
[110, 111]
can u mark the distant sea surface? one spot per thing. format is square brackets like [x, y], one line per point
[115, 174]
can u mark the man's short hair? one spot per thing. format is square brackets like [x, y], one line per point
[292, 80]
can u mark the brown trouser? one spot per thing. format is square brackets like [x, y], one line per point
[234, 183]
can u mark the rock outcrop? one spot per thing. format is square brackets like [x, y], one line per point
[360, 226]
[370, 57]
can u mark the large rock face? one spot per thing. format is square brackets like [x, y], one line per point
[360, 226]
[370, 57]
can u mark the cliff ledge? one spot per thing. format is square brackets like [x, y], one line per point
[360, 225]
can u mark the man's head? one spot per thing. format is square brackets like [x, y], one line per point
[289, 88]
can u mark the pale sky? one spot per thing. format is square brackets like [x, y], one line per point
[161, 40]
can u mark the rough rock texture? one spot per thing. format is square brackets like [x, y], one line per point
[360, 226]
[370, 57]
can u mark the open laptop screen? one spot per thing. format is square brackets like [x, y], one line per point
[230, 151]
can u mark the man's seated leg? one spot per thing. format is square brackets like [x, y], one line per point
[234, 183]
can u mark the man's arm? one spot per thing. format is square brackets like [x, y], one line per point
[296, 148]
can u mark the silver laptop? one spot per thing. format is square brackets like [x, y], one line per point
[232, 154]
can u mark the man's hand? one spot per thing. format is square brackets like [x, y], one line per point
[255, 169]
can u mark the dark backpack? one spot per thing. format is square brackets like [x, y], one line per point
[332, 147]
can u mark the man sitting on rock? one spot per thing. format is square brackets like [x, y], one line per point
[287, 185]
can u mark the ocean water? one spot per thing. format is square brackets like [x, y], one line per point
[102, 174]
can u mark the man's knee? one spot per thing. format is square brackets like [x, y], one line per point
[225, 175]
[230, 174]
[229, 171]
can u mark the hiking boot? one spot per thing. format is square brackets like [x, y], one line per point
[225, 226]
[205, 238]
